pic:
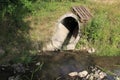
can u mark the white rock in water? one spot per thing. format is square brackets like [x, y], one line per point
[102, 75]
[82, 74]
[92, 50]
[72, 74]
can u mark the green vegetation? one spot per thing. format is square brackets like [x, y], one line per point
[27, 24]
[103, 32]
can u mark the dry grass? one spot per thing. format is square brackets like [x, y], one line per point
[106, 1]
[43, 23]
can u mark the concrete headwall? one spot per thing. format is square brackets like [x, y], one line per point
[66, 34]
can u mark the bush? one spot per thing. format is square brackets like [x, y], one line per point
[14, 7]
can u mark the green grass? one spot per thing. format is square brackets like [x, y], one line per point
[36, 28]
[103, 32]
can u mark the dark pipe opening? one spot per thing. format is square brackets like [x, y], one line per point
[72, 25]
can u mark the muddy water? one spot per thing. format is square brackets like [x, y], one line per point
[63, 63]
[60, 64]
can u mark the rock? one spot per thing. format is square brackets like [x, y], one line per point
[102, 75]
[91, 50]
[11, 78]
[96, 73]
[88, 49]
[94, 69]
[14, 78]
[2, 68]
[72, 74]
[18, 68]
[37, 64]
[82, 74]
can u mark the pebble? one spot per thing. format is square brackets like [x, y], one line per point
[82, 74]
[72, 74]
[92, 50]
[102, 75]
[3, 68]
[38, 63]
[11, 78]
[14, 78]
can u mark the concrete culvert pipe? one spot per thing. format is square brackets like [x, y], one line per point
[66, 34]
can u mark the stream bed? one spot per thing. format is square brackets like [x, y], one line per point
[63, 65]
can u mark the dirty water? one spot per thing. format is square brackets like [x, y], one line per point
[57, 65]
